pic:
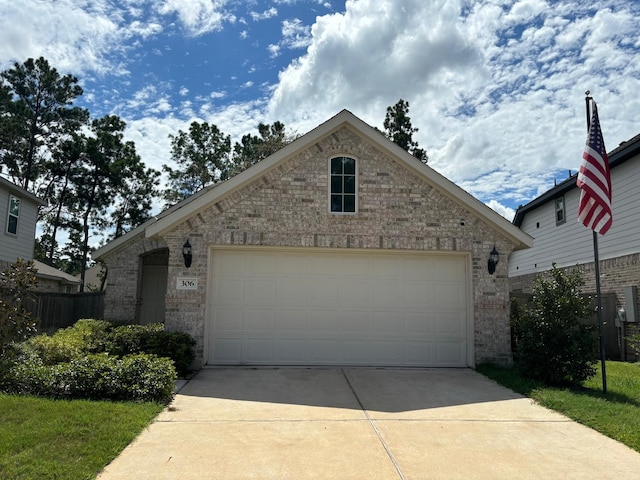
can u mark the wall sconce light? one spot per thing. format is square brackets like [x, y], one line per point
[494, 258]
[186, 253]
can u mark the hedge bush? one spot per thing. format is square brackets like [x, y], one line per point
[139, 377]
[95, 359]
[153, 339]
[86, 336]
[551, 341]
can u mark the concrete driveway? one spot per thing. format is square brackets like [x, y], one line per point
[298, 423]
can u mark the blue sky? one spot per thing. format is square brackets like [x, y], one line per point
[496, 87]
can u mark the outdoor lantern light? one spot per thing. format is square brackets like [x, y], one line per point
[186, 253]
[493, 260]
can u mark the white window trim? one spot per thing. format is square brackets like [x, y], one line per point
[329, 184]
[9, 215]
[563, 209]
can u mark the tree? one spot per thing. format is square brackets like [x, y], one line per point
[16, 322]
[202, 156]
[110, 168]
[252, 148]
[398, 129]
[135, 197]
[36, 114]
[551, 342]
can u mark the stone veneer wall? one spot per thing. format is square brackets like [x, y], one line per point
[615, 274]
[288, 206]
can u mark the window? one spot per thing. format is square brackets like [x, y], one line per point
[343, 185]
[560, 213]
[14, 214]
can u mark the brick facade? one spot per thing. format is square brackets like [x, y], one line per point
[288, 206]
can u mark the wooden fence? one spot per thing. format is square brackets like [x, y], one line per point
[61, 310]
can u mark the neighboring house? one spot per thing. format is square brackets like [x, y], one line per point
[51, 279]
[559, 238]
[339, 249]
[93, 278]
[18, 214]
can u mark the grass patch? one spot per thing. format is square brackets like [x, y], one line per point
[42, 438]
[616, 414]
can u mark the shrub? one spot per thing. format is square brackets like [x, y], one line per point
[550, 341]
[16, 322]
[634, 343]
[85, 337]
[179, 347]
[128, 339]
[133, 377]
[153, 339]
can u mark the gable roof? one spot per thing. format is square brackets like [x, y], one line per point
[12, 187]
[51, 273]
[617, 156]
[208, 196]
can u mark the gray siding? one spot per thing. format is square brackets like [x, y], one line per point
[571, 243]
[20, 245]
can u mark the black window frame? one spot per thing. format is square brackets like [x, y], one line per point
[343, 185]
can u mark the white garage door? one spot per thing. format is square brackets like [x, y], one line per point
[293, 307]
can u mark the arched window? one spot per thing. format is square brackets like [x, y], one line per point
[342, 185]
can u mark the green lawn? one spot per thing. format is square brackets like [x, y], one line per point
[616, 414]
[65, 439]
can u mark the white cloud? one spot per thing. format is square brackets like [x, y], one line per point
[295, 34]
[70, 37]
[267, 14]
[496, 90]
[198, 16]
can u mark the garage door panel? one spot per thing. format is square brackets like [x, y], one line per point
[260, 292]
[258, 350]
[259, 320]
[291, 351]
[324, 321]
[419, 325]
[291, 322]
[323, 292]
[354, 293]
[450, 354]
[227, 350]
[449, 324]
[295, 308]
[356, 323]
[292, 292]
[229, 292]
[419, 353]
[228, 320]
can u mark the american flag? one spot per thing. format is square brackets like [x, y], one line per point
[594, 179]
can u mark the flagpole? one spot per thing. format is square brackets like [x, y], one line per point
[597, 274]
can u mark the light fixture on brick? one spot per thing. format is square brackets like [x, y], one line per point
[494, 258]
[186, 253]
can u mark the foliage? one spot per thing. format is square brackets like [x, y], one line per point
[634, 343]
[42, 438]
[551, 343]
[16, 322]
[37, 114]
[86, 336]
[615, 414]
[89, 176]
[138, 377]
[253, 149]
[94, 359]
[153, 339]
[398, 129]
[202, 156]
